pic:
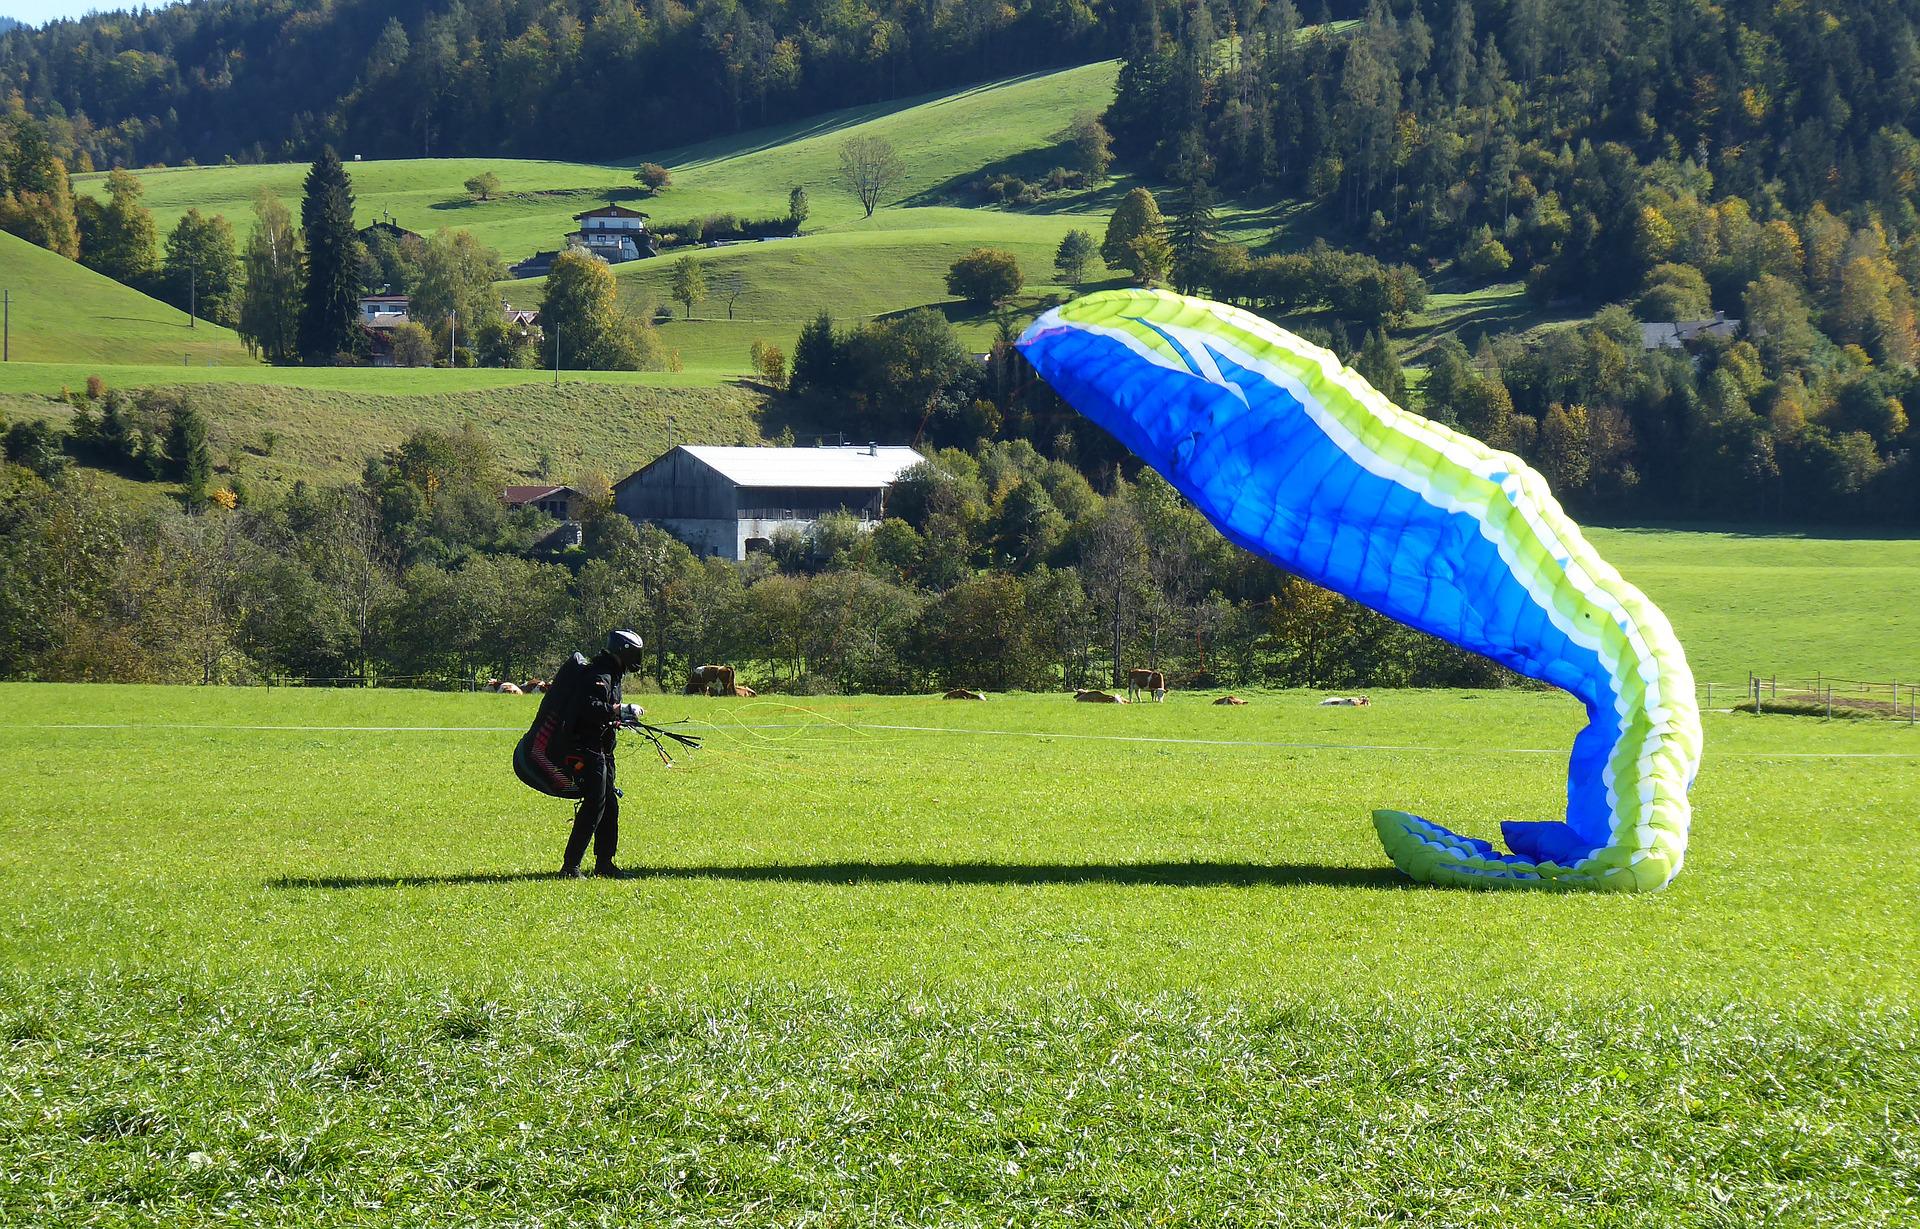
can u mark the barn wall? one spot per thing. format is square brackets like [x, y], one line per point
[676, 487]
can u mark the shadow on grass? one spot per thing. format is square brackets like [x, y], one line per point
[1151, 874]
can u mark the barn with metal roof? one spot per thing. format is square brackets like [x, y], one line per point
[729, 501]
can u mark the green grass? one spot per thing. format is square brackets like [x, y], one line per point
[64, 312]
[889, 976]
[327, 434]
[1779, 602]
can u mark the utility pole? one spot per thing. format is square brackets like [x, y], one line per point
[193, 287]
[6, 326]
[556, 356]
[453, 338]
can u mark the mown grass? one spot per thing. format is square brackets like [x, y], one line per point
[878, 973]
[280, 435]
[1795, 604]
[62, 311]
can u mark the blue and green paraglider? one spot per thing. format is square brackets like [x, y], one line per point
[1302, 462]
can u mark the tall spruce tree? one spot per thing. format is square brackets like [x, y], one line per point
[333, 266]
[1195, 237]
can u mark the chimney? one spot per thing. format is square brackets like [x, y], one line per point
[873, 449]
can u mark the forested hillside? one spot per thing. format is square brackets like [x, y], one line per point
[262, 80]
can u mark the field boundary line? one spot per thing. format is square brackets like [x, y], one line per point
[1159, 739]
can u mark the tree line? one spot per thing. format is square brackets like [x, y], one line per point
[274, 80]
[996, 567]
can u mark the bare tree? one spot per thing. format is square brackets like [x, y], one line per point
[869, 168]
[729, 284]
[1116, 576]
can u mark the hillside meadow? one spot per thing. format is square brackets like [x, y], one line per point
[898, 961]
[63, 312]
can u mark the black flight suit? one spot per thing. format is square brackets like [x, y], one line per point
[595, 723]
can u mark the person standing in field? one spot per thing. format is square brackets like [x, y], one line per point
[601, 713]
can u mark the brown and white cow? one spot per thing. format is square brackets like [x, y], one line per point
[1234, 701]
[1087, 696]
[1344, 702]
[710, 681]
[962, 693]
[1146, 680]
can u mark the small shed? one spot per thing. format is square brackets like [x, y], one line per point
[730, 501]
[562, 503]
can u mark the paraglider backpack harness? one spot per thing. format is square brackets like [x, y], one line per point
[548, 756]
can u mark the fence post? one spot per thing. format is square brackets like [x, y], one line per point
[1829, 701]
[1709, 695]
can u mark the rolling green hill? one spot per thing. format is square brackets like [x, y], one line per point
[856, 266]
[64, 312]
[278, 434]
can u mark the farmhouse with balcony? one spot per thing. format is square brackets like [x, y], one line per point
[614, 233]
[729, 502]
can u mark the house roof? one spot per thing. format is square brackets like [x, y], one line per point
[610, 210]
[517, 495]
[841, 467]
[385, 298]
[1675, 334]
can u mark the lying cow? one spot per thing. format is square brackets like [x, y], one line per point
[503, 687]
[1146, 680]
[961, 693]
[711, 681]
[535, 687]
[743, 692]
[1086, 696]
[1235, 701]
[1344, 702]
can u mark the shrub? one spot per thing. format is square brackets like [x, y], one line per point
[1484, 256]
[986, 275]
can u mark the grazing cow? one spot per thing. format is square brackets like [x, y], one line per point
[1146, 680]
[1086, 696]
[1235, 701]
[1344, 702]
[711, 681]
[961, 693]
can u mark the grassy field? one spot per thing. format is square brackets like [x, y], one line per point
[907, 962]
[64, 312]
[1780, 602]
[279, 434]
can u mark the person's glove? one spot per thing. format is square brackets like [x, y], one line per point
[630, 714]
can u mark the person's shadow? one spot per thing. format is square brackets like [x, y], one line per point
[1149, 874]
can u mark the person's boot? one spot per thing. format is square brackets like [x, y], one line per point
[572, 872]
[607, 870]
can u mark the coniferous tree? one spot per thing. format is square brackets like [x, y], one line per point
[1377, 363]
[192, 459]
[333, 263]
[1194, 239]
[816, 357]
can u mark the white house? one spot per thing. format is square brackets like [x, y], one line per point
[614, 233]
[730, 501]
